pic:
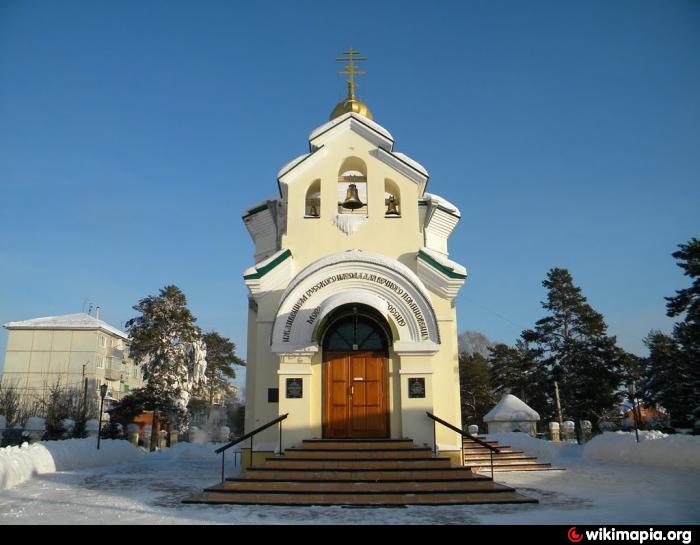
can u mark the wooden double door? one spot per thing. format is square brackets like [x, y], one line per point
[355, 397]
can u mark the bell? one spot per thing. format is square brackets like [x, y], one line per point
[352, 199]
[313, 211]
[392, 207]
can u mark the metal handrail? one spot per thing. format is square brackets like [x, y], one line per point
[249, 435]
[463, 433]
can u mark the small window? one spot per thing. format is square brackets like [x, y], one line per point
[100, 362]
[103, 341]
[273, 395]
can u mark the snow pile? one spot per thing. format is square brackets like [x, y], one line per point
[654, 449]
[511, 409]
[19, 464]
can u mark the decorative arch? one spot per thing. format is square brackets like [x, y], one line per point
[355, 277]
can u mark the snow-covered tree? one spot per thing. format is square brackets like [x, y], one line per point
[221, 357]
[169, 346]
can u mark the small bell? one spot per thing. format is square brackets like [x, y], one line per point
[352, 199]
[313, 211]
[392, 206]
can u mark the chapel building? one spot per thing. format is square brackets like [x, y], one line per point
[352, 326]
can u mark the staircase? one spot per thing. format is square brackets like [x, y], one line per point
[367, 472]
[478, 458]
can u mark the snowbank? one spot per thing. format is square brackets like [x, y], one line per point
[654, 449]
[19, 464]
[190, 452]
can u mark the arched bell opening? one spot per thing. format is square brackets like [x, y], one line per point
[312, 204]
[352, 187]
[355, 349]
[392, 199]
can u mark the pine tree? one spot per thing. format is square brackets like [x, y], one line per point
[475, 389]
[166, 341]
[686, 335]
[665, 381]
[221, 357]
[519, 372]
[575, 349]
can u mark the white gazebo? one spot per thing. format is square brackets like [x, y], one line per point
[512, 414]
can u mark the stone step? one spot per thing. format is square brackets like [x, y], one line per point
[515, 467]
[357, 444]
[325, 498]
[394, 453]
[356, 463]
[352, 487]
[474, 446]
[503, 456]
[466, 440]
[486, 462]
[366, 475]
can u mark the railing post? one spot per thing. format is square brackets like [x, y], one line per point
[491, 464]
[434, 438]
[223, 456]
[280, 448]
[251, 452]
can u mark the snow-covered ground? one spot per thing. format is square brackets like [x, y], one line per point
[149, 491]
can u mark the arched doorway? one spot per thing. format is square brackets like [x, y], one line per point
[355, 374]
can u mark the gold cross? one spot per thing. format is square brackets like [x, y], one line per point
[351, 70]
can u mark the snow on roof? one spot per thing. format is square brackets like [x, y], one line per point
[442, 201]
[289, 166]
[260, 203]
[66, 321]
[367, 121]
[412, 162]
[510, 409]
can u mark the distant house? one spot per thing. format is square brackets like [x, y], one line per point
[649, 417]
[65, 350]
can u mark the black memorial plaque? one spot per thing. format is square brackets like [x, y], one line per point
[295, 388]
[416, 387]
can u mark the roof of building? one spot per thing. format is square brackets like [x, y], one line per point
[80, 321]
[510, 409]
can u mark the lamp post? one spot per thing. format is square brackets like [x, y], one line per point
[633, 391]
[103, 393]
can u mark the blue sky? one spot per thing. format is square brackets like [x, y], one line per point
[133, 134]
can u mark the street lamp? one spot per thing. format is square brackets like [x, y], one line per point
[103, 393]
[633, 391]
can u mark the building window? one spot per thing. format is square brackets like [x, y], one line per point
[103, 341]
[100, 362]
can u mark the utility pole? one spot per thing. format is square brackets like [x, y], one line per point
[558, 404]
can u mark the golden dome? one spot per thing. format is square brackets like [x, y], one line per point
[351, 105]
